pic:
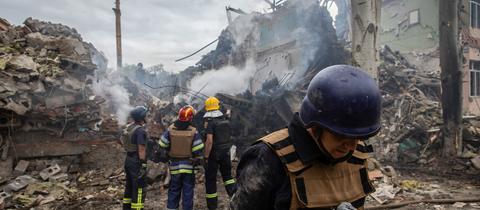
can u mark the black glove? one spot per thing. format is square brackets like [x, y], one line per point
[345, 206]
[142, 174]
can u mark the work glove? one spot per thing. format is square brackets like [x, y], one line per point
[345, 206]
[142, 174]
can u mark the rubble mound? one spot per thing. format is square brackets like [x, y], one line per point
[45, 72]
[412, 114]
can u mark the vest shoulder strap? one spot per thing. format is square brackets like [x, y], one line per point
[361, 153]
[279, 142]
[190, 131]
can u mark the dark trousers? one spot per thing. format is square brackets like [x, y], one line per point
[218, 160]
[134, 195]
[181, 185]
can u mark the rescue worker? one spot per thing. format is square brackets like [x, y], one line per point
[185, 146]
[217, 152]
[319, 160]
[134, 141]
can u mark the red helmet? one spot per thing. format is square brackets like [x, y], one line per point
[186, 113]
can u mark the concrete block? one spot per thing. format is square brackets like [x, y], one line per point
[19, 183]
[58, 178]
[4, 196]
[50, 171]
[21, 167]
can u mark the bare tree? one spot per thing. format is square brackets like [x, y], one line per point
[451, 77]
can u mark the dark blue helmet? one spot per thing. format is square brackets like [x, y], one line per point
[344, 100]
[139, 113]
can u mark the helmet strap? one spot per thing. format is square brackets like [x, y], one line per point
[325, 156]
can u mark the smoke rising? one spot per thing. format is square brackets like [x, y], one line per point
[257, 38]
[116, 95]
[229, 79]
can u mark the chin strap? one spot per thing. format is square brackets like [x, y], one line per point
[326, 158]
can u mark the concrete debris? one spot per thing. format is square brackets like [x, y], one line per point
[459, 204]
[58, 178]
[476, 162]
[21, 167]
[50, 171]
[19, 183]
[46, 74]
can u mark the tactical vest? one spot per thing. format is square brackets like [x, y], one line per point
[221, 137]
[320, 186]
[127, 137]
[181, 142]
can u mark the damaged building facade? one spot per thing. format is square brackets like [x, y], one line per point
[412, 28]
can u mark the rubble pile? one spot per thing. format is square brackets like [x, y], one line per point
[412, 115]
[45, 72]
[394, 190]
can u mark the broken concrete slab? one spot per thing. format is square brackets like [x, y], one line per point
[58, 178]
[20, 183]
[53, 149]
[50, 171]
[21, 167]
[100, 183]
[22, 63]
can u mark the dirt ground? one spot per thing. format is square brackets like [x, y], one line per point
[99, 185]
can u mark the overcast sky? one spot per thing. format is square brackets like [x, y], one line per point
[153, 31]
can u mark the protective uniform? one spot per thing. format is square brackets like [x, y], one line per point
[289, 169]
[134, 194]
[183, 143]
[219, 157]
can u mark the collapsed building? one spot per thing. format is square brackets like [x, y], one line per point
[272, 54]
[282, 69]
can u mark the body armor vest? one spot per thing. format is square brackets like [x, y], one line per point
[221, 137]
[320, 186]
[127, 137]
[181, 142]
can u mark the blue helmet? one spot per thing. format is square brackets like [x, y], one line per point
[139, 113]
[345, 100]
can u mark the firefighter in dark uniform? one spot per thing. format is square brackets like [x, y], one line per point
[319, 160]
[134, 141]
[185, 146]
[217, 152]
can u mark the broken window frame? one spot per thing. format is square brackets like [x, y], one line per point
[475, 13]
[474, 78]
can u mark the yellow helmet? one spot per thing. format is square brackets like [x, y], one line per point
[212, 103]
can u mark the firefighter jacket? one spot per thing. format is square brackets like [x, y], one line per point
[287, 170]
[182, 163]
